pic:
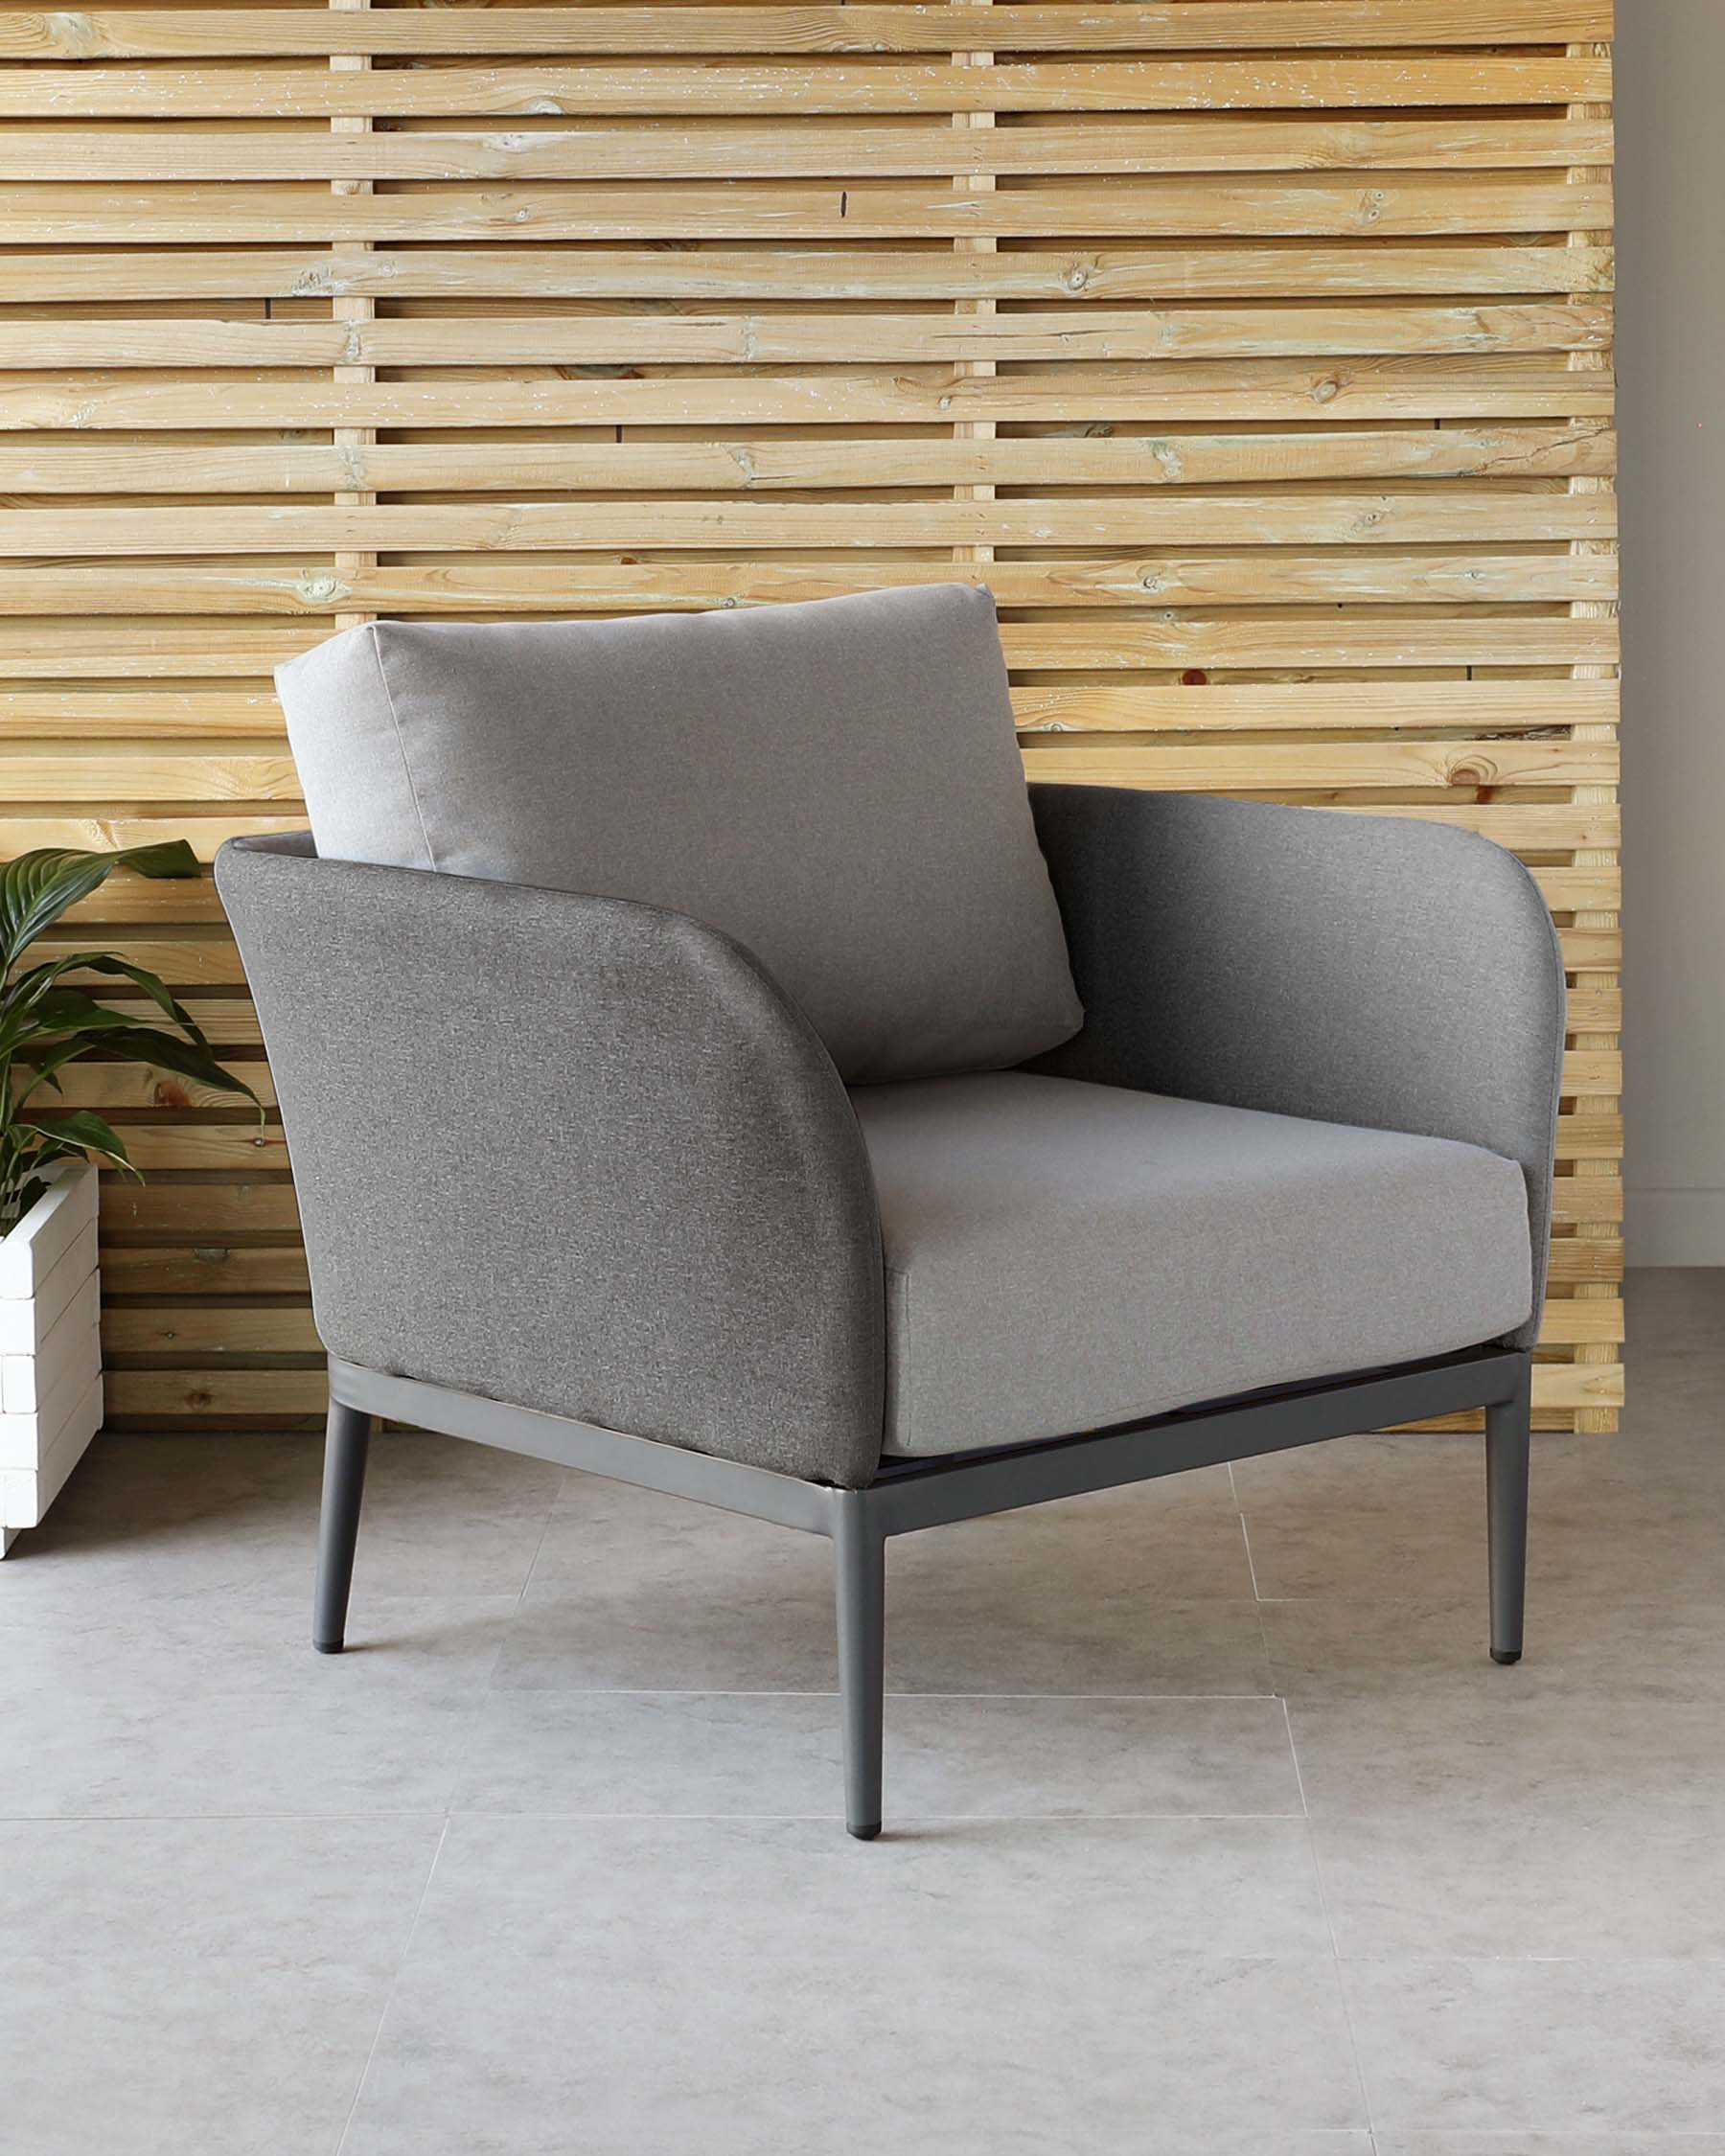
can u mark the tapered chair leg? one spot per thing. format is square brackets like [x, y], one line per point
[860, 1569]
[1508, 1429]
[345, 1447]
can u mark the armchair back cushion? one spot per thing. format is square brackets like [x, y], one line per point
[835, 785]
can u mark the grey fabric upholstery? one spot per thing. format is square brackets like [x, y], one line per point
[1367, 970]
[567, 1152]
[586, 1155]
[1060, 1256]
[836, 785]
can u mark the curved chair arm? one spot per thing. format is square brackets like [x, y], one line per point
[567, 1152]
[1370, 970]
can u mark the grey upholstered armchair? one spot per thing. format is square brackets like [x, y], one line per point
[704, 1063]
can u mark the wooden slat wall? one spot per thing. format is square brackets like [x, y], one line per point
[1255, 352]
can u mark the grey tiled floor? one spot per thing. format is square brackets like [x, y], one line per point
[1212, 1828]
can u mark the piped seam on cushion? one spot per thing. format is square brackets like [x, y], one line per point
[395, 719]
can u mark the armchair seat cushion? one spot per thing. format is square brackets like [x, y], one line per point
[1062, 1255]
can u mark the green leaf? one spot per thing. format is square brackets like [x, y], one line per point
[37, 888]
[44, 1024]
[86, 1131]
[136, 1042]
[17, 1204]
[62, 1011]
[41, 1069]
[43, 1155]
[152, 984]
[191, 1059]
[28, 989]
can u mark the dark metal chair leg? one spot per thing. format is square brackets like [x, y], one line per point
[859, 1570]
[1508, 1429]
[345, 1447]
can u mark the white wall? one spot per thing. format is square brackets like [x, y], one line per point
[1671, 58]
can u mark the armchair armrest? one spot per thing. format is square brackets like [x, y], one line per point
[568, 1152]
[1368, 970]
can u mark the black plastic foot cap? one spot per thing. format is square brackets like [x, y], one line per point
[1506, 1655]
[328, 1647]
[865, 1833]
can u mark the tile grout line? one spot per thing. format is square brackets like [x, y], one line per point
[1257, 1597]
[1251, 1562]
[419, 1906]
[488, 1685]
[465, 1811]
[721, 1692]
[561, 1491]
[1329, 1925]
[905, 1819]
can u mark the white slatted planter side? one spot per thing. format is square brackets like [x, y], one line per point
[50, 1348]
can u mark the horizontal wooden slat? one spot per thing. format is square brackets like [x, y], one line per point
[189, 647]
[1586, 1264]
[638, 339]
[127, 897]
[1594, 888]
[93, 649]
[205, 834]
[173, 34]
[124, 771]
[1522, 706]
[1471, 707]
[718, 149]
[152, 714]
[210, 1271]
[1057, 520]
[1586, 1199]
[240, 1147]
[1272, 768]
[1592, 1070]
[128, 653]
[1291, 271]
[766, 464]
[739, 89]
[1577, 1385]
[197, 1209]
[1591, 1137]
[1536, 827]
[214, 1331]
[214, 1396]
[46, 214]
[1568, 1322]
[1522, 827]
[1329, 639]
[523, 584]
[131, 771]
[185, 957]
[1465, 386]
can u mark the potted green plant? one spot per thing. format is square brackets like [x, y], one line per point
[50, 1348]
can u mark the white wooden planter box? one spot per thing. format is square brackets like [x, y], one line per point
[50, 1346]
